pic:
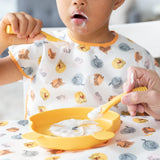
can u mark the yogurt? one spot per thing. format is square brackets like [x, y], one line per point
[75, 128]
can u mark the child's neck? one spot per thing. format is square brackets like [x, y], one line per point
[96, 37]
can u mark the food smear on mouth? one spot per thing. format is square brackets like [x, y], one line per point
[79, 19]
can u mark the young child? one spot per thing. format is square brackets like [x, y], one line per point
[87, 68]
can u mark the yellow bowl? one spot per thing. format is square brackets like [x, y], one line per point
[41, 122]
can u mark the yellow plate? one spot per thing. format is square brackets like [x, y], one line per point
[40, 124]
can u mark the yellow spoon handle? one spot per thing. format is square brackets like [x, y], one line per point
[117, 99]
[48, 36]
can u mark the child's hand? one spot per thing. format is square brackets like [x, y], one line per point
[26, 29]
[148, 101]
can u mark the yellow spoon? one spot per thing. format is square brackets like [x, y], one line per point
[99, 112]
[48, 36]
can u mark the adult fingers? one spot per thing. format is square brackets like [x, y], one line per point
[137, 77]
[140, 108]
[151, 97]
[132, 109]
[129, 84]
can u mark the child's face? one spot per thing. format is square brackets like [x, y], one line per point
[86, 16]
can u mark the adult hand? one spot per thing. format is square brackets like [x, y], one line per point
[144, 101]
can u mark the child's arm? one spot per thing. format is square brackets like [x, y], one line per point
[27, 30]
[8, 71]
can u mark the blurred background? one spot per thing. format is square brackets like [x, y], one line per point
[132, 11]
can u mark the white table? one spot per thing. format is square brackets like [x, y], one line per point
[133, 141]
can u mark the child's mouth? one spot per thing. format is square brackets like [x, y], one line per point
[79, 18]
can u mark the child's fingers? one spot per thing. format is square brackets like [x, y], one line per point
[37, 37]
[11, 19]
[28, 25]
[14, 40]
[36, 29]
[22, 24]
[32, 23]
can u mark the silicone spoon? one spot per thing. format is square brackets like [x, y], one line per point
[48, 36]
[99, 112]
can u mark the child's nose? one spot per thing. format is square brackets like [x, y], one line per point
[79, 3]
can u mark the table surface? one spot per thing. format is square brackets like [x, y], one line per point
[137, 139]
